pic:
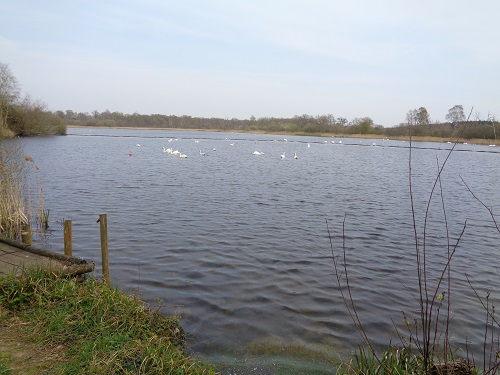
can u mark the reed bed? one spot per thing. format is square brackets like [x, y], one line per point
[22, 203]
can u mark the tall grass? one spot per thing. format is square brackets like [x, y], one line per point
[22, 201]
[102, 330]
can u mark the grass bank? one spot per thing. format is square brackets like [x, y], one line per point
[58, 325]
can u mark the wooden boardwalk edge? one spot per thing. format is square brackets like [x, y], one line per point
[70, 265]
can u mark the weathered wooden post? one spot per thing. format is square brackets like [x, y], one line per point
[104, 248]
[26, 236]
[68, 247]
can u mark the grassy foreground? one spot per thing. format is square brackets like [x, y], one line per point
[81, 326]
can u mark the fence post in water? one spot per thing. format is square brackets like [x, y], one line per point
[68, 247]
[26, 235]
[104, 248]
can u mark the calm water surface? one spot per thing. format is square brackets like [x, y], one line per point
[238, 244]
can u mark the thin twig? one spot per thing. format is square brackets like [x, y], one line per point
[481, 301]
[349, 301]
[490, 210]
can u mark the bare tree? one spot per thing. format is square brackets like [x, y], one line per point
[455, 115]
[418, 117]
[422, 116]
[491, 118]
[411, 117]
[9, 93]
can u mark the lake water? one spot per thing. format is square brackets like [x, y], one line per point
[238, 244]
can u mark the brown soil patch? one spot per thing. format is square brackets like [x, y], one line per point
[22, 355]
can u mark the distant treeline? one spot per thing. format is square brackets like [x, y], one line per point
[25, 117]
[304, 124]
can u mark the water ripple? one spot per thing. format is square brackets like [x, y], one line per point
[238, 244]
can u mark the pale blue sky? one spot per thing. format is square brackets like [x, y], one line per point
[238, 58]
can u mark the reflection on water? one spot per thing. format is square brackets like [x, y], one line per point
[237, 243]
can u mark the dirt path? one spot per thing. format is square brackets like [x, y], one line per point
[19, 354]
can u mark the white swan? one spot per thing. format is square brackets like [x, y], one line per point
[282, 156]
[176, 152]
[196, 141]
[202, 153]
[257, 153]
[183, 156]
[308, 145]
[231, 144]
[295, 155]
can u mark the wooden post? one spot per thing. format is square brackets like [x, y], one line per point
[68, 247]
[104, 248]
[26, 236]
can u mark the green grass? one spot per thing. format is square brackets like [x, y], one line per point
[103, 330]
[402, 361]
[4, 360]
[394, 360]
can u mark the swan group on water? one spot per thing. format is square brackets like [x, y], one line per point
[181, 155]
[171, 151]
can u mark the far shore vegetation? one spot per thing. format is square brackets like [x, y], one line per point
[27, 117]
[423, 129]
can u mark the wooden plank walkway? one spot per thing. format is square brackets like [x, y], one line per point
[16, 257]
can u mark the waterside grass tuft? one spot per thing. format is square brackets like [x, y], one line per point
[101, 330]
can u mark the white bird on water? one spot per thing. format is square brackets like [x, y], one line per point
[183, 156]
[308, 145]
[258, 153]
[295, 155]
[202, 153]
[282, 156]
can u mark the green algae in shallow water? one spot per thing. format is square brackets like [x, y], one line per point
[272, 365]
[274, 356]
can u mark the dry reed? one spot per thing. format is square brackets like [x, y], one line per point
[21, 193]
